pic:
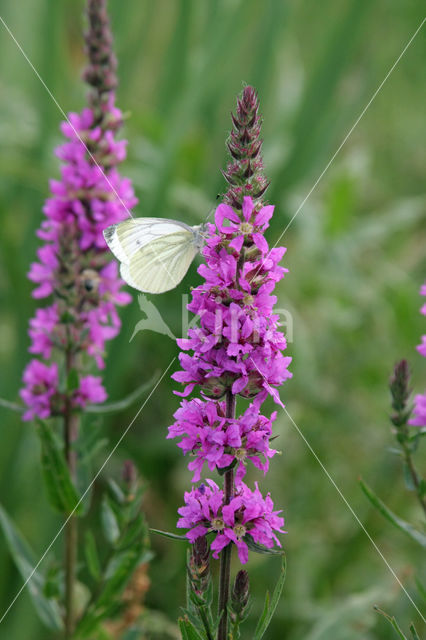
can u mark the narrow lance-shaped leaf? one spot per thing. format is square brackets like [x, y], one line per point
[13, 406]
[167, 534]
[393, 622]
[400, 524]
[47, 609]
[110, 525]
[91, 553]
[189, 632]
[260, 548]
[270, 606]
[61, 490]
[414, 632]
[125, 403]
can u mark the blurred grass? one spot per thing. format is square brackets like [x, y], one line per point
[355, 253]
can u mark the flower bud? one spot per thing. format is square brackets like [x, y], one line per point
[240, 592]
[399, 385]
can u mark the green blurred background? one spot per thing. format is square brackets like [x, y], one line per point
[355, 253]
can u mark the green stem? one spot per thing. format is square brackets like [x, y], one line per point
[203, 615]
[225, 556]
[71, 429]
[414, 476]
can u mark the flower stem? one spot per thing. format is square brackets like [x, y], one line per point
[71, 429]
[225, 556]
[414, 475]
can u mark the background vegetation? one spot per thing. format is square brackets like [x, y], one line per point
[355, 253]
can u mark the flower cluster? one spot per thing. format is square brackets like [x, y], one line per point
[73, 266]
[236, 350]
[247, 514]
[419, 411]
[219, 441]
[237, 344]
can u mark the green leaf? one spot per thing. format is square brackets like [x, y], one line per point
[61, 490]
[270, 606]
[392, 621]
[421, 588]
[73, 380]
[135, 530]
[91, 553]
[11, 405]
[118, 573]
[116, 492]
[46, 608]
[406, 527]
[110, 525]
[260, 548]
[166, 534]
[189, 632]
[53, 579]
[414, 632]
[221, 471]
[408, 479]
[125, 403]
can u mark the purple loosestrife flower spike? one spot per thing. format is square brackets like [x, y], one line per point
[235, 350]
[73, 267]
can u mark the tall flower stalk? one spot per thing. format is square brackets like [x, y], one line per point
[235, 352]
[74, 271]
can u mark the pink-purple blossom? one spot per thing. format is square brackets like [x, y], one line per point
[247, 514]
[41, 384]
[73, 266]
[237, 339]
[212, 439]
[421, 348]
[419, 411]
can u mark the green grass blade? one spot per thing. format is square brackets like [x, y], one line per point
[397, 522]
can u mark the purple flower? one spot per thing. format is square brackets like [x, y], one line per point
[41, 385]
[419, 411]
[237, 339]
[421, 348]
[43, 331]
[248, 513]
[90, 391]
[211, 438]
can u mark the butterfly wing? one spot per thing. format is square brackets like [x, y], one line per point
[126, 238]
[161, 263]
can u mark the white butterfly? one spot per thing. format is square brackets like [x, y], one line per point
[155, 253]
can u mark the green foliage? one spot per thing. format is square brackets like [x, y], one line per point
[47, 608]
[126, 532]
[406, 527]
[270, 605]
[397, 628]
[124, 403]
[60, 488]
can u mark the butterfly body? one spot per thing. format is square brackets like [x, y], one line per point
[155, 253]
